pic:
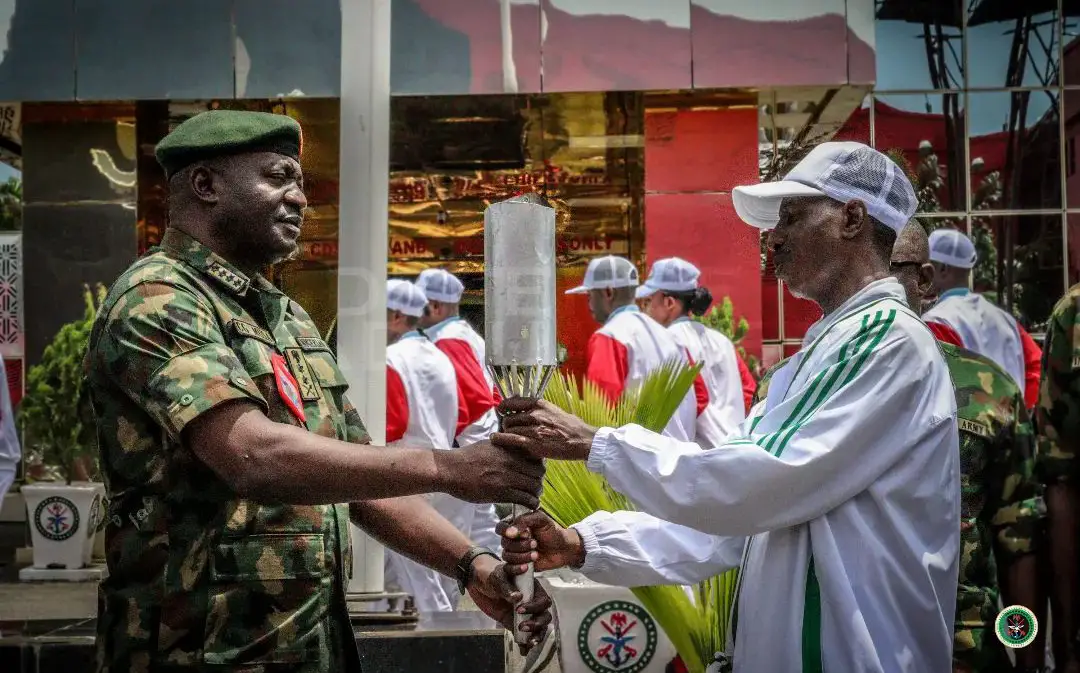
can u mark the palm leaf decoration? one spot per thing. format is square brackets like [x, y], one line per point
[696, 627]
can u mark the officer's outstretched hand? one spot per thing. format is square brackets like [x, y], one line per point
[536, 538]
[484, 473]
[493, 591]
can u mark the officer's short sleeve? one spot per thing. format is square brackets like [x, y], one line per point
[163, 346]
[1058, 410]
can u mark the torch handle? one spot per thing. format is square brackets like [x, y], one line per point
[524, 584]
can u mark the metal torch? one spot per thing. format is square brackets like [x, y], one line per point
[519, 309]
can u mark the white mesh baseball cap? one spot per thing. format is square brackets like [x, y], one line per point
[842, 171]
[607, 272]
[403, 296]
[669, 275]
[953, 248]
[440, 285]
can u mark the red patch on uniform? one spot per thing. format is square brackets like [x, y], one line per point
[287, 387]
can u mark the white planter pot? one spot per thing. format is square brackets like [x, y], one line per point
[605, 628]
[93, 540]
[61, 523]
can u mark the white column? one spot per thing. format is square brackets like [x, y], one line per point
[362, 234]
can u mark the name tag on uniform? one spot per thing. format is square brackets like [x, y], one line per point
[974, 428]
[312, 344]
[246, 329]
[298, 365]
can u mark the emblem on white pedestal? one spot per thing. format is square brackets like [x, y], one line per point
[617, 636]
[1016, 626]
[56, 518]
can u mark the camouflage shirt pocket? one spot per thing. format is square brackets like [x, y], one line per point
[268, 600]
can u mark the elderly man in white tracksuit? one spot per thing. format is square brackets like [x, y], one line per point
[629, 344]
[422, 410]
[671, 294]
[839, 499]
[455, 337]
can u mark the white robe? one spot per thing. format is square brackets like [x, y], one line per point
[984, 328]
[456, 328]
[432, 406]
[10, 451]
[840, 502]
[726, 409]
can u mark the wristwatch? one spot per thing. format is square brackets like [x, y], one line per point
[464, 568]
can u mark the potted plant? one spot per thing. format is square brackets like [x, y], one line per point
[695, 620]
[63, 508]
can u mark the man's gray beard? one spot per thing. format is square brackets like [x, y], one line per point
[797, 294]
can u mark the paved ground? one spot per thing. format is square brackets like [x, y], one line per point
[24, 601]
[21, 601]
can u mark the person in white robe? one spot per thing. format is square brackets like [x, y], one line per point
[669, 296]
[422, 411]
[454, 336]
[839, 498]
[10, 451]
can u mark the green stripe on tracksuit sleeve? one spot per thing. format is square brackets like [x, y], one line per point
[824, 384]
[863, 350]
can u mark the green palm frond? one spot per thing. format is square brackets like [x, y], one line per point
[696, 627]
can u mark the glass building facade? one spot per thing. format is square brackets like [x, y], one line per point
[980, 98]
[636, 118]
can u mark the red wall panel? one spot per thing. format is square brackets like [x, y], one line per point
[693, 158]
[701, 150]
[575, 323]
[704, 230]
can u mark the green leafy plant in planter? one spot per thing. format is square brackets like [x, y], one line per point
[55, 414]
[697, 627]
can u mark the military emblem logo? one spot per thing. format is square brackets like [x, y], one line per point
[617, 636]
[1016, 626]
[56, 518]
[287, 387]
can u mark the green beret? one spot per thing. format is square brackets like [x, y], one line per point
[217, 133]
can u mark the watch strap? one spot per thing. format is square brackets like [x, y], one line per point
[464, 568]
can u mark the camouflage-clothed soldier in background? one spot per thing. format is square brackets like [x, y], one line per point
[1000, 499]
[227, 438]
[1058, 423]
[1000, 505]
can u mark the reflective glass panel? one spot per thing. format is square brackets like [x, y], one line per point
[1015, 150]
[738, 43]
[926, 131]
[919, 44]
[609, 45]
[1021, 264]
[1012, 44]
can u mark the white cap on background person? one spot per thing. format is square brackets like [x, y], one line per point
[440, 285]
[952, 248]
[841, 171]
[606, 273]
[405, 297]
[672, 274]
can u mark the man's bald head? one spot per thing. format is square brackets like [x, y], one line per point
[911, 263]
[912, 244]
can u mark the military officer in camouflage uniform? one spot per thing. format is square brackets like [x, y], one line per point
[1058, 423]
[227, 438]
[1000, 498]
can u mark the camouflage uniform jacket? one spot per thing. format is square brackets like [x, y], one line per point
[198, 576]
[1001, 503]
[1058, 411]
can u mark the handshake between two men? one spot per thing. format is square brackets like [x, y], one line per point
[540, 430]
